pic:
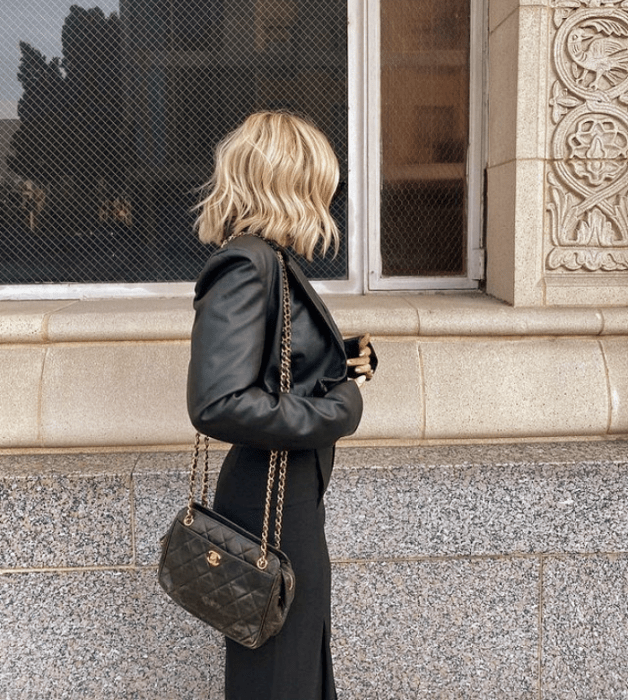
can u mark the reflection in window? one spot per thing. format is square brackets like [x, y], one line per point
[115, 131]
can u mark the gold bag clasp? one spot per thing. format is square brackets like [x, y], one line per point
[213, 558]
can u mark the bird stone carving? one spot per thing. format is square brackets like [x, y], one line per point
[606, 56]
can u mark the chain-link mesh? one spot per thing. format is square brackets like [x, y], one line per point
[424, 84]
[102, 157]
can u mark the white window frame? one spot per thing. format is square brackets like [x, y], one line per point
[357, 200]
[364, 180]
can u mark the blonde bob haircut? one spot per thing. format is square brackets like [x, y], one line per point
[274, 176]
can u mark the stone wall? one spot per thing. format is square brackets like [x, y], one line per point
[112, 373]
[459, 572]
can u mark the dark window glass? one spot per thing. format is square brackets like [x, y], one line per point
[425, 100]
[108, 132]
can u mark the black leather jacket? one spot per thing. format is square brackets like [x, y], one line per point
[233, 379]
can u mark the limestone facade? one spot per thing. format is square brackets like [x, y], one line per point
[111, 373]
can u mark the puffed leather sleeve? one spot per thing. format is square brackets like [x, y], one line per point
[230, 339]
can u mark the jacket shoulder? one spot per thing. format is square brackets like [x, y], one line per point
[244, 253]
[252, 246]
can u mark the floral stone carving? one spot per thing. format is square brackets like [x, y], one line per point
[588, 178]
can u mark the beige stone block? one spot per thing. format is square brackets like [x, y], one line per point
[616, 356]
[26, 321]
[500, 239]
[581, 289]
[116, 394]
[478, 314]
[20, 374]
[529, 232]
[123, 319]
[515, 226]
[615, 320]
[532, 90]
[392, 399]
[502, 98]
[526, 388]
[499, 10]
[378, 315]
[518, 58]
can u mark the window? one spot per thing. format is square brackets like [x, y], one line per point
[424, 144]
[110, 116]
[111, 130]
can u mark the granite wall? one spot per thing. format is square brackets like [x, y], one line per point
[459, 572]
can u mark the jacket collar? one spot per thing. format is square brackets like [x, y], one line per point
[313, 297]
[310, 293]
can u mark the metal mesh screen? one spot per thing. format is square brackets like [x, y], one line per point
[109, 117]
[424, 97]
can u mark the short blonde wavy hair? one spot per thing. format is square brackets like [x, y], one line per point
[275, 176]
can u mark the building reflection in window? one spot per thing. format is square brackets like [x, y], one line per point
[118, 132]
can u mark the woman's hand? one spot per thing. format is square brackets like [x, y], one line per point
[362, 363]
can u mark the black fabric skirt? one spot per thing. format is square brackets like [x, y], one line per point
[296, 664]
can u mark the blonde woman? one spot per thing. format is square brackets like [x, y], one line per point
[274, 180]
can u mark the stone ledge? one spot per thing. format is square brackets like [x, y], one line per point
[112, 373]
[428, 315]
[91, 394]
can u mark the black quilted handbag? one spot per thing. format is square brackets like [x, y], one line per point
[236, 582]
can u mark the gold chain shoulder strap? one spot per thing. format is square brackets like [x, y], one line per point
[284, 388]
[276, 456]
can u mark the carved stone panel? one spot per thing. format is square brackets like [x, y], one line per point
[588, 176]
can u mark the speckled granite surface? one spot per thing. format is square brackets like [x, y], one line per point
[100, 635]
[66, 511]
[495, 454]
[436, 629]
[480, 572]
[478, 510]
[161, 489]
[585, 628]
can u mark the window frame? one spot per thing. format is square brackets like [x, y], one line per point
[364, 180]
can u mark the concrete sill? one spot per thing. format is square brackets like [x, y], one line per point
[410, 315]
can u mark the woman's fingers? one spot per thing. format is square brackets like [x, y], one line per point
[359, 361]
[362, 364]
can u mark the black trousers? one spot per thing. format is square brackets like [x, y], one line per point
[296, 664]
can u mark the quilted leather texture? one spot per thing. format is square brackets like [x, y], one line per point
[234, 597]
